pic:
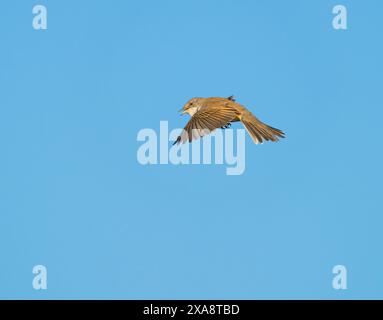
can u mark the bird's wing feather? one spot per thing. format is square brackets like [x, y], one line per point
[205, 121]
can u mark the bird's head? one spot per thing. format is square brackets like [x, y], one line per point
[190, 107]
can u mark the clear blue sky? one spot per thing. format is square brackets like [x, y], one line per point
[74, 198]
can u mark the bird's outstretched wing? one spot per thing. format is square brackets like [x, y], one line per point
[205, 121]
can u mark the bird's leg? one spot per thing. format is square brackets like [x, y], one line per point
[226, 126]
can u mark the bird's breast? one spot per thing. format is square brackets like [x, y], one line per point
[193, 110]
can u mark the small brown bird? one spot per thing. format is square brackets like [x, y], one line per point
[208, 114]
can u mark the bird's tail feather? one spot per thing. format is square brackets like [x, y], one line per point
[260, 131]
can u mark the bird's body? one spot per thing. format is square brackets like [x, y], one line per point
[208, 114]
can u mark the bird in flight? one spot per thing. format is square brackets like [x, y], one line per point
[208, 114]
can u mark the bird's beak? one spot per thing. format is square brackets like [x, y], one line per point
[182, 112]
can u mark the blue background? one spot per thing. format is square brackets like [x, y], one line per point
[75, 199]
